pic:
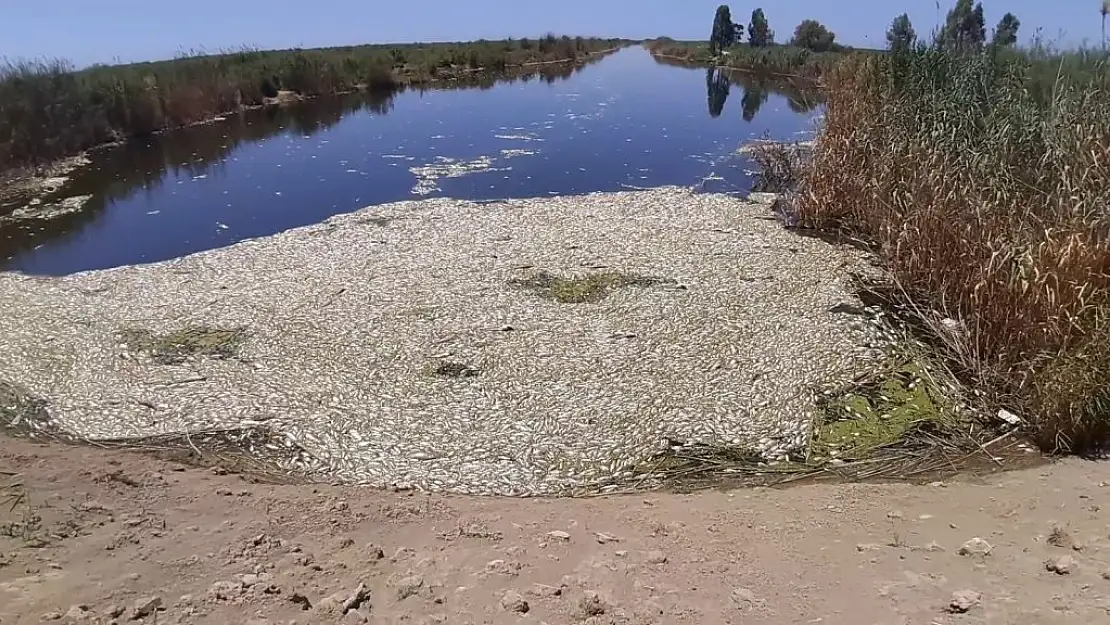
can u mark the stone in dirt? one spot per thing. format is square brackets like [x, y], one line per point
[224, 591]
[356, 616]
[543, 590]
[409, 586]
[656, 557]
[78, 612]
[513, 602]
[1062, 565]
[744, 598]
[145, 606]
[976, 547]
[559, 535]
[963, 600]
[248, 579]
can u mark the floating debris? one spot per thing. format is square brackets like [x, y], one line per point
[340, 315]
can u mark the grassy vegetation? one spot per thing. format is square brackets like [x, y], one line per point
[885, 411]
[587, 289]
[49, 110]
[781, 60]
[983, 181]
[194, 341]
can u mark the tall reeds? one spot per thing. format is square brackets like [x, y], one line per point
[984, 182]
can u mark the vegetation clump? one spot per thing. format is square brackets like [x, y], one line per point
[588, 289]
[883, 412]
[980, 173]
[180, 345]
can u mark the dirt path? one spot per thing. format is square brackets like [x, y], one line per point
[127, 535]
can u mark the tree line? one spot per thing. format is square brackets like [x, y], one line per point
[964, 31]
[50, 109]
[809, 34]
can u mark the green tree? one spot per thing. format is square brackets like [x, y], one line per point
[1006, 32]
[759, 31]
[724, 31]
[965, 29]
[901, 36]
[813, 35]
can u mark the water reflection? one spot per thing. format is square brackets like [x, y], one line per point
[202, 151]
[717, 86]
[801, 96]
[264, 171]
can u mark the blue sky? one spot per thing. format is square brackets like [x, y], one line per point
[87, 31]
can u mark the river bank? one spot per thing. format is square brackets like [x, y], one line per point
[104, 104]
[92, 535]
[782, 61]
[27, 192]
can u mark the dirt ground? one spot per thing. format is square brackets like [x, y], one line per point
[89, 536]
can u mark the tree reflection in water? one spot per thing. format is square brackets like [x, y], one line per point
[202, 150]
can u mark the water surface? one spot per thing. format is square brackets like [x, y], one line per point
[628, 121]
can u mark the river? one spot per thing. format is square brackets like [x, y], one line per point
[627, 121]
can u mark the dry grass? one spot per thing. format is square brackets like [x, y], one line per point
[986, 192]
[779, 166]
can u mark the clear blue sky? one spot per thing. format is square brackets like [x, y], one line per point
[91, 31]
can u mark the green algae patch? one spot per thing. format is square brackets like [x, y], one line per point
[178, 346]
[898, 404]
[586, 289]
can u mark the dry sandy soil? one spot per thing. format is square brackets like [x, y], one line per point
[128, 538]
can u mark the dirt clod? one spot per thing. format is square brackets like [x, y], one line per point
[145, 606]
[976, 547]
[513, 602]
[963, 600]
[1061, 565]
[591, 604]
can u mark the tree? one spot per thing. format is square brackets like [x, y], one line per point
[759, 31]
[724, 31]
[813, 35]
[901, 36]
[1006, 32]
[964, 30]
[1104, 10]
